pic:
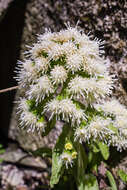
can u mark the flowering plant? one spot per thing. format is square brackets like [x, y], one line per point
[65, 77]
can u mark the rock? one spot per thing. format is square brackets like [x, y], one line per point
[16, 178]
[12, 177]
[17, 156]
[4, 4]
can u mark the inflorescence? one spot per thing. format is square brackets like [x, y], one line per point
[65, 75]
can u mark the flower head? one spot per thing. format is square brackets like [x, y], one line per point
[28, 119]
[66, 78]
[42, 88]
[74, 62]
[68, 146]
[66, 109]
[97, 129]
[74, 155]
[58, 74]
[112, 107]
[67, 159]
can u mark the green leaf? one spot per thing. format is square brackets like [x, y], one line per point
[90, 156]
[112, 128]
[104, 150]
[2, 150]
[122, 175]
[83, 160]
[90, 182]
[81, 166]
[57, 165]
[43, 152]
[1, 160]
[94, 158]
[95, 148]
[111, 180]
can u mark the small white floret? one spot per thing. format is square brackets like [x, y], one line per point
[67, 159]
[41, 49]
[69, 34]
[74, 62]
[94, 66]
[112, 107]
[27, 73]
[58, 74]
[41, 89]
[41, 65]
[27, 119]
[119, 142]
[59, 50]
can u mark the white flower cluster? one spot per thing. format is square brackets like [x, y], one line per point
[41, 89]
[71, 65]
[111, 129]
[29, 119]
[66, 110]
[112, 107]
[118, 111]
[29, 72]
[97, 129]
[87, 87]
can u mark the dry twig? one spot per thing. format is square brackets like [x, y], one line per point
[9, 89]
